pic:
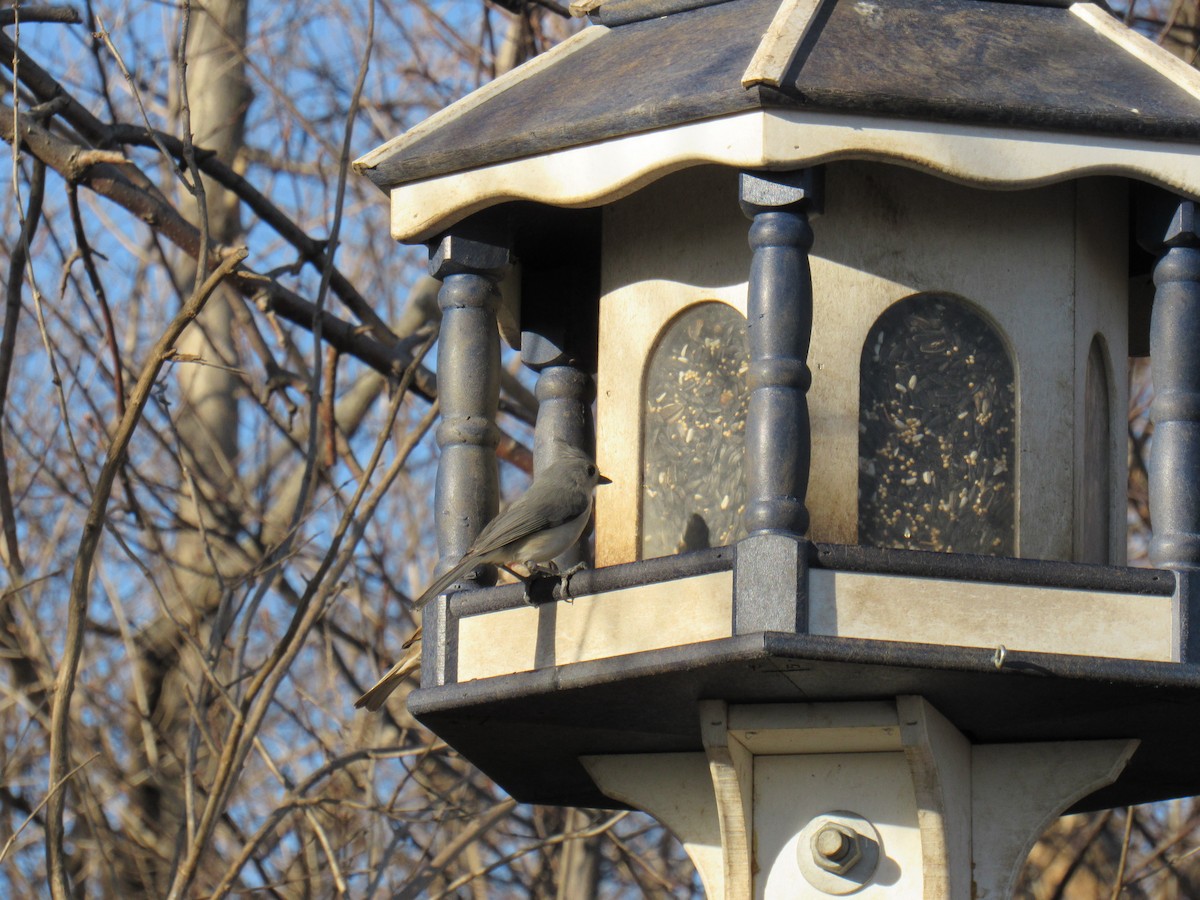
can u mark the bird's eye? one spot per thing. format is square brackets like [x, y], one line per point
[591, 471]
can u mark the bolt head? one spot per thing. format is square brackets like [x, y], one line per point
[837, 848]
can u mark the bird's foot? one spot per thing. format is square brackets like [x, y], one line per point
[564, 578]
[539, 585]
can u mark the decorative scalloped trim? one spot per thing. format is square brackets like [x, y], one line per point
[599, 173]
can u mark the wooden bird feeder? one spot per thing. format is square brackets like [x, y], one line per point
[851, 287]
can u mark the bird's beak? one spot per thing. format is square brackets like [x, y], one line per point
[601, 479]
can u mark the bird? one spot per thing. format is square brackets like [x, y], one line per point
[541, 524]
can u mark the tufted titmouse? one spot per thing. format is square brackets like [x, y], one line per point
[542, 524]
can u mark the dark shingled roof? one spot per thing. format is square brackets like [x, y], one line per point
[975, 62]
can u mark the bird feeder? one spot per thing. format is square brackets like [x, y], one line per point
[851, 286]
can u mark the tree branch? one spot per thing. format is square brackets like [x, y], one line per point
[64, 685]
[102, 135]
[113, 176]
[65, 15]
[8, 342]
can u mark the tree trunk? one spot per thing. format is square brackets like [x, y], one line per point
[579, 862]
[205, 557]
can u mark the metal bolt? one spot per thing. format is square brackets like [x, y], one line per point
[837, 848]
[832, 844]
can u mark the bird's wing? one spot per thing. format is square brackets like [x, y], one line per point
[545, 505]
[489, 541]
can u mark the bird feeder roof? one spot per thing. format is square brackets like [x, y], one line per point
[985, 91]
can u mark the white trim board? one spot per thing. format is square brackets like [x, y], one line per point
[599, 173]
[896, 608]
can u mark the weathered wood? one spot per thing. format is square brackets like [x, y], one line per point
[1017, 790]
[621, 12]
[606, 171]
[732, 769]
[966, 61]
[1104, 301]
[885, 233]
[497, 634]
[970, 614]
[677, 789]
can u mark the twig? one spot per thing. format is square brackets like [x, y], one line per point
[33, 812]
[80, 581]
[122, 183]
[251, 844]
[317, 323]
[557, 8]
[101, 72]
[1160, 852]
[261, 690]
[113, 177]
[421, 880]
[581, 835]
[89, 266]
[1120, 877]
[308, 482]
[103, 35]
[140, 694]
[630, 857]
[326, 578]
[310, 250]
[12, 312]
[1089, 836]
[328, 412]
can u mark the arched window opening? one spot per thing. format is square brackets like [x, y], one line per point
[937, 436]
[693, 444]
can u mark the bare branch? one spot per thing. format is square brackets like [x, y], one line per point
[66, 15]
[81, 580]
[12, 313]
[33, 812]
[422, 879]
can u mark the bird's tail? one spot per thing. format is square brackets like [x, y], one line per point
[375, 697]
[444, 581]
[408, 663]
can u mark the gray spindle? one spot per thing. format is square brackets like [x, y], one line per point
[779, 326]
[565, 394]
[467, 493]
[770, 584]
[1175, 369]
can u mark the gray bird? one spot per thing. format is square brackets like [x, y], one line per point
[542, 524]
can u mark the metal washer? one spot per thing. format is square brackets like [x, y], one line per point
[858, 877]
